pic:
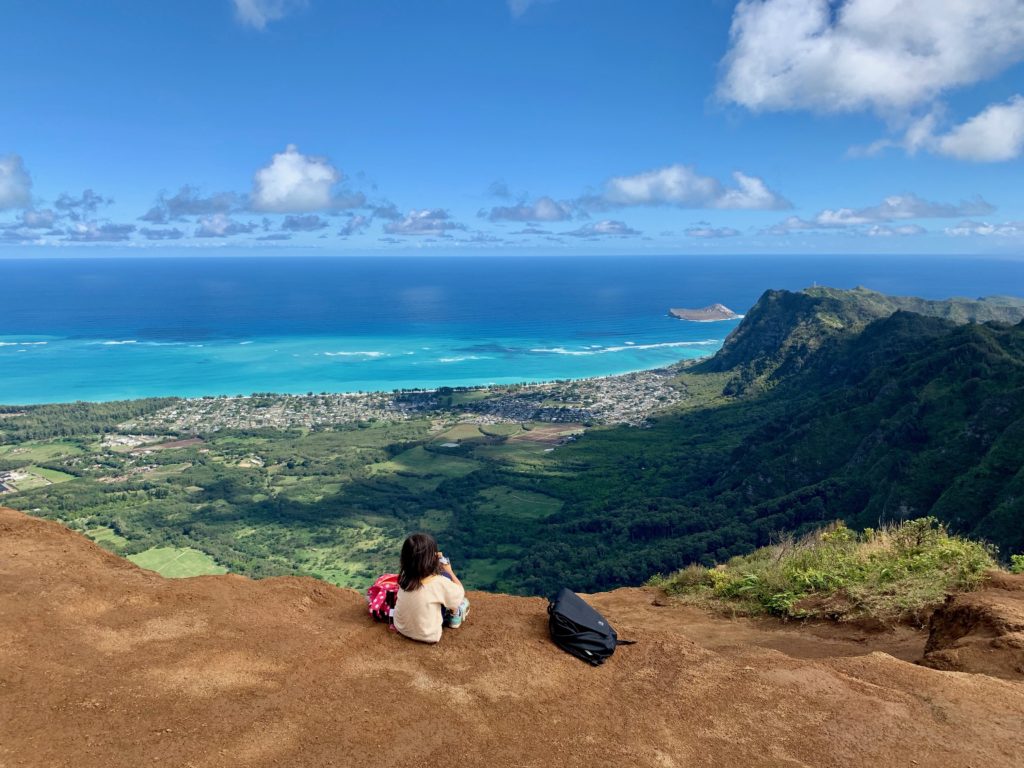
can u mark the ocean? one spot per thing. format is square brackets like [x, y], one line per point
[115, 328]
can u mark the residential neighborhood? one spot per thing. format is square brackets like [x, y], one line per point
[625, 399]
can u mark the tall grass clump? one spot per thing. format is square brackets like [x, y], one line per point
[897, 573]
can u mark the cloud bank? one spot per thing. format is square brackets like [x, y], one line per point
[542, 209]
[429, 221]
[682, 186]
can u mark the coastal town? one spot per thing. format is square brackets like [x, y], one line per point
[624, 399]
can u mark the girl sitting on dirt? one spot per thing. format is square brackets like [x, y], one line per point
[430, 595]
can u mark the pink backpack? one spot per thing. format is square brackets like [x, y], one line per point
[381, 597]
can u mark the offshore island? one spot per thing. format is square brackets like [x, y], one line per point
[709, 314]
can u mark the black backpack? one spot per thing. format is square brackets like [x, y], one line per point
[578, 629]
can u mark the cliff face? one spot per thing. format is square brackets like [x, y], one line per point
[103, 664]
[785, 328]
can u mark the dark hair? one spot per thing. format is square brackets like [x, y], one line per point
[419, 560]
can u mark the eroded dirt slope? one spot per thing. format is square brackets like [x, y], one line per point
[104, 664]
[981, 631]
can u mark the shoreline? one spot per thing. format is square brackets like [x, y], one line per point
[521, 383]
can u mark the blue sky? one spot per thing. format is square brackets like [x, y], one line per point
[494, 126]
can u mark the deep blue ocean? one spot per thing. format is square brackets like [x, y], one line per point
[112, 328]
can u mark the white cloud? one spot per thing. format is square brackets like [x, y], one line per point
[542, 209]
[707, 232]
[903, 230]
[897, 207]
[887, 55]
[682, 186]
[161, 234]
[994, 135]
[15, 183]
[429, 221]
[257, 13]
[894, 208]
[791, 224]
[605, 228]
[984, 229]
[220, 225]
[295, 183]
[751, 193]
[91, 232]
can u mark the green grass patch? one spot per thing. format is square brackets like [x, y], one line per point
[501, 430]
[483, 573]
[517, 504]
[435, 521]
[177, 562]
[419, 461]
[459, 432]
[30, 483]
[471, 396]
[167, 470]
[53, 475]
[46, 451]
[898, 573]
[106, 537]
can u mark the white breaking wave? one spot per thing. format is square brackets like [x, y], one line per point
[243, 343]
[461, 359]
[22, 343]
[604, 350]
[356, 354]
[118, 343]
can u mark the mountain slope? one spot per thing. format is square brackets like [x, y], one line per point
[103, 664]
[911, 416]
[784, 328]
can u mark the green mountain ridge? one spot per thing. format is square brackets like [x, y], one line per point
[784, 328]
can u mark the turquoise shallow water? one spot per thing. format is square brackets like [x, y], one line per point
[111, 328]
[49, 369]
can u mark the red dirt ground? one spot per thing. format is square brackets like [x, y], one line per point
[104, 664]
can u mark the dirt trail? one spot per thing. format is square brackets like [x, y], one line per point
[104, 664]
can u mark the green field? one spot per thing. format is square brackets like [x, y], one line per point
[106, 537]
[40, 451]
[177, 562]
[420, 461]
[501, 430]
[459, 432]
[513, 503]
[53, 475]
[470, 396]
